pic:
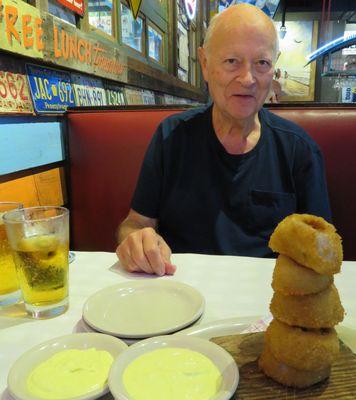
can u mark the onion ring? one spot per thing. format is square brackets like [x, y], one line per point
[290, 277]
[320, 310]
[287, 375]
[301, 348]
[310, 241]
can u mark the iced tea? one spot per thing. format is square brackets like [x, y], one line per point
[9, 285]
[39, 238]
[42, 264]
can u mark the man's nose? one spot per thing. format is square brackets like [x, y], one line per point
[246, 75]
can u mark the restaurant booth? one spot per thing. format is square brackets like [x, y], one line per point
[103, 164]
[79, 109]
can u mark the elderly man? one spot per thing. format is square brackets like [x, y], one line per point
[218, 180]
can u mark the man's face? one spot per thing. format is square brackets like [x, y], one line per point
[238, 67]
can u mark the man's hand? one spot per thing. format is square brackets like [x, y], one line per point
[145, 250]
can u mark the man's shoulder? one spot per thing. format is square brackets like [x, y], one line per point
[186, 118]
[286, 129]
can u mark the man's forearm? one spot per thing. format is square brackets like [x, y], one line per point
[126, 227]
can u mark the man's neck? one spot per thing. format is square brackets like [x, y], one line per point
[237, 136]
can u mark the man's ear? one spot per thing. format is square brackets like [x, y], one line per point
[203, 62]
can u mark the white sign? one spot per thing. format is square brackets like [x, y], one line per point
[148, 97]
[191, 8]
[348, 95]
[168, 99]
[133, 96]
[351, 49]
[88, 91]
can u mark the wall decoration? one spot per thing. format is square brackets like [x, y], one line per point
[296, 79]
[14, 91]
[88, 91]
[148, 97]
[25, 144]
[135, 6]
[26, 31]
[75, 5]
[269, 7]
[51, 89]
[115, 95]
[133, 96]
[21, 28]
[348, 95]
[190, 8]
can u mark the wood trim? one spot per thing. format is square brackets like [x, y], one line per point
[30, 171]
[172, 37]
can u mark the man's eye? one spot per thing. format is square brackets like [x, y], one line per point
[264, 63]
[231, 61]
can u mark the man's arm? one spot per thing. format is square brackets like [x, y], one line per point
[141, 248]
[133, 222]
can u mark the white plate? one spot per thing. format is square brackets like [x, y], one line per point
[141, 309]
[221, 358]
[223, 327]
[22, 367]
[82, 326]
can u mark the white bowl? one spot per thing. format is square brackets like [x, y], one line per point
[22, 367]
[221, 358]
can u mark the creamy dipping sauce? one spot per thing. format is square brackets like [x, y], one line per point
[172, 373]
[70, 373]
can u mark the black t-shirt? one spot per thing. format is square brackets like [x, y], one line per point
[209, 201]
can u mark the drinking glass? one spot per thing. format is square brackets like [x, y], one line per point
[10, 292]
[39, 238]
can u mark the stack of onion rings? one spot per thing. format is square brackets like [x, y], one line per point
[301, 342]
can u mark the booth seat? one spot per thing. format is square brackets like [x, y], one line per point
[106, 149]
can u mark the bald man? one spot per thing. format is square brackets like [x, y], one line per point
[217, 180]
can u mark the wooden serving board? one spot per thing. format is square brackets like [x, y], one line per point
[254, 385]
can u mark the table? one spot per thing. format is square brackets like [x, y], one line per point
[232, 287]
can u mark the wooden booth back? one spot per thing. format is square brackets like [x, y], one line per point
[106, 149]
[105, 152]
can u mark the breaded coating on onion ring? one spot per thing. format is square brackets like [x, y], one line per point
[290, 277]
[287, 375]
[301, 348]
[310, 241]
[320, 310]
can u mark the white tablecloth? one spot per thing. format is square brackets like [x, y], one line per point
[232, 287]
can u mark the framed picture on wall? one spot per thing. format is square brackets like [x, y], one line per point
[294, 80]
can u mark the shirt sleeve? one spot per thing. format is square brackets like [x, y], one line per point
[146, 198]
[311, 188]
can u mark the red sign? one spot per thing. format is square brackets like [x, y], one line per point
[75, 5]
[14, 91]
